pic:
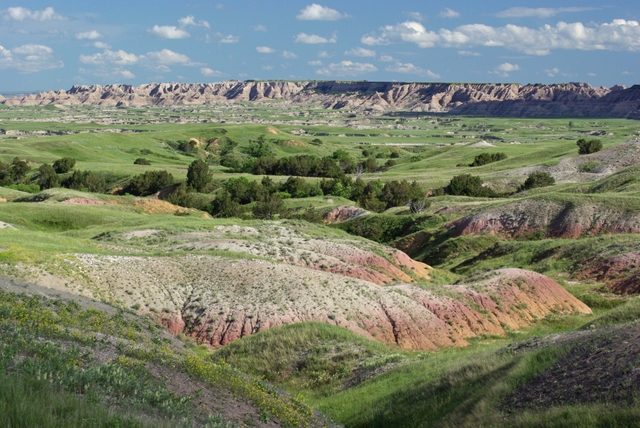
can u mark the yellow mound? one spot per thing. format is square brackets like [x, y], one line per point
[272, 130]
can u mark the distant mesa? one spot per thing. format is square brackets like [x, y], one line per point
[500, 100]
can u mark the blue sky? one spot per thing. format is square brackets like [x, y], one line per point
[56, 44]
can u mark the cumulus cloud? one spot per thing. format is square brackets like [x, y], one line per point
[289, 55]
[449, 13]
[504, 69]
[386, 58]
[167, 57]
[101, 45]
[118, 57]
[23, 14]
[408, 68]
[268, 67]
[316, 63]
[324, 54]
[190, 21]
[313, 39]
[361, 52]
[265, 50]
[617, 35]
[540, 12]
[468, 53]
[316, 12]
[206, 71]
[552, 71]
[168, 32]
[225, 38]
[127, 74]
[88, 35]
[30, 58]
[347, 68]
[259, 27]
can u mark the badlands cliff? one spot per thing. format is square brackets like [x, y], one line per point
[512, 100]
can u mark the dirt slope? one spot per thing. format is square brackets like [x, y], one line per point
[217, 300]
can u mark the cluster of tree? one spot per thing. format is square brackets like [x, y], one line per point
[487, 158]
[149, 183]
[14, 172]
[469, 185]
[537, 179]
[586, 147]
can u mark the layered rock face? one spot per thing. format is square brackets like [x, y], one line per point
[513, 100]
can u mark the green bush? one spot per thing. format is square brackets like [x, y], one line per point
[149, 183]
[141, 161]
[586, 147]
[86, 181]
[198, 175]
[537, 179]
[268, 206]
[487, 158]
[469, 185]
[64, 165]
[48, 177]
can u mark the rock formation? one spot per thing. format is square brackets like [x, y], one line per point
[513, 100]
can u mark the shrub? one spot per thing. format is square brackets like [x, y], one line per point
[469, 185]
[224, 206]
[48, 177]
[198, 176]
[586, 147]
[487, 158]
[149, 183]
[141, 161]
[537, 179]
[268, 206]
[86, 180]
[64, 165]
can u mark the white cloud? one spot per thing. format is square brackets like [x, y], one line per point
[552, 71]
[591, 74]
[265, 50]
[127, 74]
[30, 58]
[416, 16]
[617, 35]
[324, 54]
[347, 68]
[408, 68]
[540, 12]
[386, 58]
[316, 63]
[190, 21]
[168, 32]
[627, 73]
[88, 35]
[101, 45]
[226, 39]
[209, 72]
[468, 53]
[289, 55]
[316, 12]
[313, 39]
[361, 52]
[504, 69]
[259, 27]
[268, 67]
[449, 13]
[167, 57]
[22, 14]
[119, 57]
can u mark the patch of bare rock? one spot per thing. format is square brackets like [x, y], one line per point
[343, 213]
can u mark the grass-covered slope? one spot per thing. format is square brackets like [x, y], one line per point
[105, 367]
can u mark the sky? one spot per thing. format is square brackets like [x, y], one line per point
[57, 44]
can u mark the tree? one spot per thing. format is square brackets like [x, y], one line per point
[64, 165]
[149, 183]
[487, 158]
[586, 147]
[48, 177]
[198, 176]
[224, 206]
[537, 179]
[86, 180]
[268, 206]
[469, 185]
